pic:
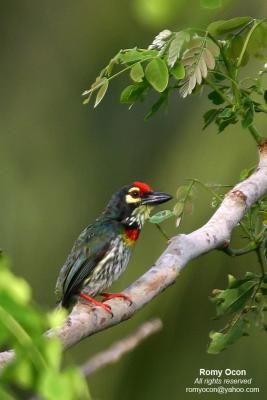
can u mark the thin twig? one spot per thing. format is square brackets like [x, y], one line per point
[239, 252]
[118, 349]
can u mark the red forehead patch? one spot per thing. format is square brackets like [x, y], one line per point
[144, 187]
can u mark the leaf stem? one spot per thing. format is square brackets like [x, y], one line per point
[188, 192]
[118, 74]
[240, 252]
[216, 195]
[162, 231]
[218, 185]
[255, 134]
[226, 63]
[225, 76]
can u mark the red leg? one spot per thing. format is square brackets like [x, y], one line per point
[108, 296]
[106, 307]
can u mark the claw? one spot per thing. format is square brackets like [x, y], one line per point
[106, 307]
[109, 296]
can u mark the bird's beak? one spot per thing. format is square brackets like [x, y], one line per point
[155, 198]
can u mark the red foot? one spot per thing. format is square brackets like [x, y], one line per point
[109, 296]
[106, 307]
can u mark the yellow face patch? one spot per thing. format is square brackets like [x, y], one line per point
[134, 189]
[133, 196]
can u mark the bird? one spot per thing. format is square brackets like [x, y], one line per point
[103, 249]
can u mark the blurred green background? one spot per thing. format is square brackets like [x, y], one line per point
[60, 162]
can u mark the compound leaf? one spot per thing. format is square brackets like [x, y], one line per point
[176, 46]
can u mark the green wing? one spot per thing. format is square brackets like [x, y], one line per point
[91, 246]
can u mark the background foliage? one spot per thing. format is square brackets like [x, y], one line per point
[37, 367]
[61, 161]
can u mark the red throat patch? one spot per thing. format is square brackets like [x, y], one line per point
[132, 234]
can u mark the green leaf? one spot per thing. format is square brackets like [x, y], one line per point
[227, 26]
[101, 91]
[176, 46]
[87, 100]
[137, 73]
[78, 383]
[234, 50]
[216, 98]
[161, 216]
[67, 385]
[220, 341]
[218, 77]
[258, 41]
[184, 204]
[55, 386]
[211, 4]
[248, 117]
[157, 105]
[178, 71]
[20, 372]
[233, 299]
[52, 352]
[210, 116]
[265, 96]
[178, 209]
[250, 275]
[226, 117]
[224, 123]
[182, 193]
[232, 281]
[4, 395]
[56, 317]
[157, 74]
[17, 287]
[226, 113]
[95, 85]
[21, 328]
[133, 93]
[114, 61]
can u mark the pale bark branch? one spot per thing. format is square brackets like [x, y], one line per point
[86, 320]
[119, 348]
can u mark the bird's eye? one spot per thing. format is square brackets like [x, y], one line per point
[135, 194]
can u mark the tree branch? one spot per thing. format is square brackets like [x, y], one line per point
[85, 320]
[118, 349]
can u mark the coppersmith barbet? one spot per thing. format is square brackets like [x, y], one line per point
[102, 251]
